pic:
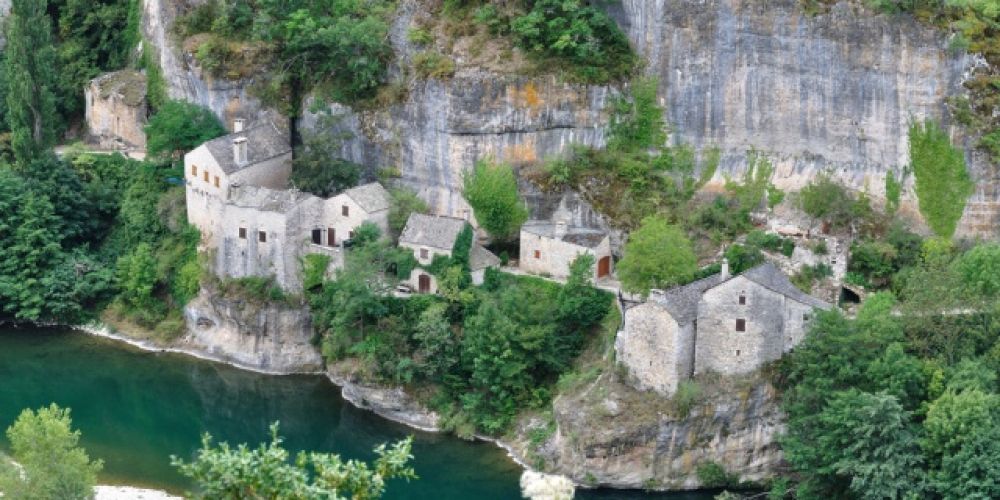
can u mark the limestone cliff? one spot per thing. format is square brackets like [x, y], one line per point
[264, 336]
[609, 434]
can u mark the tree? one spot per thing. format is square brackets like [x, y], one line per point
[31, 250]
[224, 472]
[402, 203]
[178, 127]
[864, 440]
[491, 189]
[137, 277]
[52, 463]
[657, 255]
[437, 345]
[31, 79]
[318, 168]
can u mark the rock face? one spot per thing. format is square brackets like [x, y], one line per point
[184, 80]
[831, 93]
[392, 403]
[612, 435]
[268, 337]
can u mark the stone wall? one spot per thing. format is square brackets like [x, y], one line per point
[555, 255]
[657, 353]
[270, 337]
[116, 110]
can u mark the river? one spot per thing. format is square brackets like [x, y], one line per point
[136, 409]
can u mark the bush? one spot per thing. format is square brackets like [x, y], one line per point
[942, 181]
[688, 394]
[491, 189]
[178, 127]
[432, 64]
[657, 255]
[712, 475]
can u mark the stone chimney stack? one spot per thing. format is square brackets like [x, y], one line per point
[238, 125]
[725, 269]
[240, 150]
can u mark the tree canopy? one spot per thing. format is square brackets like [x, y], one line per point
[657, 255]
[491, 189]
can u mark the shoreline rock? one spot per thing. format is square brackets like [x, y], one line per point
[131, 493]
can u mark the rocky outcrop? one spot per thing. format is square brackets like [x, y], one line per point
[834, 92]
[183, 78]
[388, 402]
[268, 336]
[612, 435]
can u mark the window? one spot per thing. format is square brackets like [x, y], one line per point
[538, 254]
[743, 299]
[350, 234]
[243, 233]
[216, 181]
[805, 317]
[317, 236]
[737, 352]
[424, 253]
[206, 175]
[194, 170]
[345, 211]
[262, 236]
[741, 325]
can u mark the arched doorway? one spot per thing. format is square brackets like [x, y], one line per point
[604, 267]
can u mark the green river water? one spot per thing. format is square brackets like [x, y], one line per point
[137, 408]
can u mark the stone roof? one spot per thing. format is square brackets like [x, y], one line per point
[481, 258]
[371, 197]
[682, 301]
[264, 142]
[769, 276]
[266, 199]
[579, 236]
[432, 231]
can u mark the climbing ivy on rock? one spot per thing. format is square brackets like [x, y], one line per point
[942, 181]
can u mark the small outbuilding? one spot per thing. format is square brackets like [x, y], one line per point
[549, 247]
[115, 109]
[432, 235]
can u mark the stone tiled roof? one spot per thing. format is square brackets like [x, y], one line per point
[267, 200]
[769, 276]
[481, 258]
[682, 301]
[432, 231]
[264, 142]
[371, 197]
[580, 236]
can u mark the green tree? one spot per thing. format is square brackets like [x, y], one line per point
[30, 60]
[437, 344]
[657, 255]
[638, 119]
[31, 251]
[318, 168]
[54, 466]
[178, 127]
[491, 189]
[403, 202]
[974, 470]
[979, 269]
[942, 181]
[268, 471]
[137, 277]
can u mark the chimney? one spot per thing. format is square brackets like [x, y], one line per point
[561, 228]
[725, 269]
[240, 150]
[238, 125]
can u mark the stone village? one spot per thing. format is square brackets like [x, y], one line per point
[253, 224]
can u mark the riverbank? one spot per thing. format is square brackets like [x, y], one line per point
[130, 493]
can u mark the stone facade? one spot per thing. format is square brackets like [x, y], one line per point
[549, 248]
[432, 235]
[723, 324]
[116, 110]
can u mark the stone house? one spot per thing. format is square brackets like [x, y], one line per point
[431, 235]
[267, 232]
[549, 247]
[724, 324]
[115, 105]
[259, 156]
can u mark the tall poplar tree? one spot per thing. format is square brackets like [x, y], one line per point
[30, 65]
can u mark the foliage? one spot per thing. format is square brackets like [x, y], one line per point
[942, 181]
[137, 277]
[687, 395]
[30, 65]
[756, 187]
[268, 471]
[52, 464]
[657, 255]
[403, 203]
[178, 127]
[318, 167]
[589, 41]
[433, 64]
[770, 241]
[893, 192]
[491, 190]
[314, 268]
[638, 119]
[713, 475]
[831, 202]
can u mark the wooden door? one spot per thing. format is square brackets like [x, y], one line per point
[604, 267]
[331, 237]
[424, 283]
